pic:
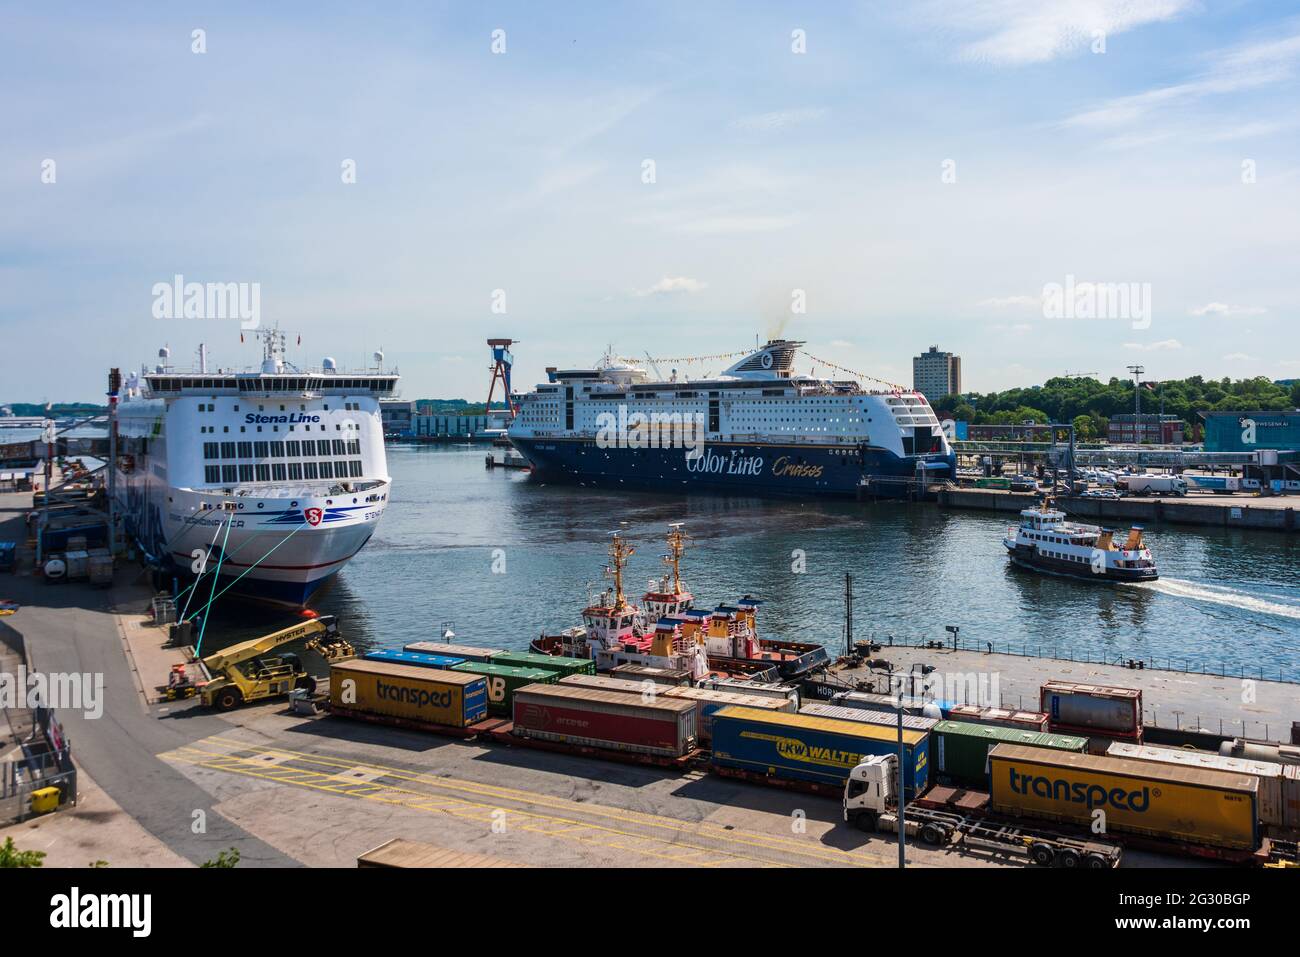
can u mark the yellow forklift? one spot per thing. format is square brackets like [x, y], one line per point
[245, 672]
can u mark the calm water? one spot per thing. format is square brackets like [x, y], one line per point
[1225, 596]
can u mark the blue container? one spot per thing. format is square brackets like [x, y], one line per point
[802, 747]
[418, 658]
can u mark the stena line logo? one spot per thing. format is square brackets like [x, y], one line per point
[253, 418]
[1080, 792]
[75, 910]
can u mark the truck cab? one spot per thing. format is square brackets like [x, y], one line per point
[870, 790]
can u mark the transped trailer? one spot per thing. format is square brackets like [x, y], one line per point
[409, 693]
[1200, 811]
[943, 815]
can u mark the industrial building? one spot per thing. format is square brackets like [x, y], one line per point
[1275, 436]
[397, 416]
[1149, 428]
[936, 374]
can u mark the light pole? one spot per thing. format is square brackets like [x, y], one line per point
[952, 630]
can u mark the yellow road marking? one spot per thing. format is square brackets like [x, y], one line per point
[404, 798]
[732, 835]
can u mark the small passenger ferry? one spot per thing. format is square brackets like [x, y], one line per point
[1046, 541]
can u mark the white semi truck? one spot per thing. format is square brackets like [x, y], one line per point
[1155, 484]
[871, 803]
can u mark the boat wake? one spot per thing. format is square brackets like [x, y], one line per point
[1223, 595]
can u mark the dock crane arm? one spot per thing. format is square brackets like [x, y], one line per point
[220, 661]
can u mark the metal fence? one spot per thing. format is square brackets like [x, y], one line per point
[1117, 660]
[19, 779]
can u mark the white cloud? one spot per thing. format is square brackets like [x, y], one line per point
[1243, 67]
[1225, 310]
[1238, 357]
[1162, 345]
[671, 285]
[1017, 32]
[779, 119]
[1016, 329]
[1004, 302]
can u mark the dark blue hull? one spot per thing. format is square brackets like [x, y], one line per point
[750, 468]
[294, 594]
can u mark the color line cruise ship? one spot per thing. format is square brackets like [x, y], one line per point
[764, 429]
[277, 476]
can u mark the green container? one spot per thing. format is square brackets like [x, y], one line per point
[959, 750]
[560, 665]
[504, 680]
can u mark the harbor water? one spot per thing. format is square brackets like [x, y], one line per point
[503, 558]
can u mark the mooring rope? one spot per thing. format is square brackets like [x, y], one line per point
[215, 577]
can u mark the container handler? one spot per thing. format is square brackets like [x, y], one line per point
[871, 802]
[245, 672]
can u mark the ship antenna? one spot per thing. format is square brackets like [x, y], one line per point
[619, 553]
[676, 547]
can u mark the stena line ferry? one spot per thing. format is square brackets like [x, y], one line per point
[270, 479]
[765, 429]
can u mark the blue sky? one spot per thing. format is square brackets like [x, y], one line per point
[775, 171]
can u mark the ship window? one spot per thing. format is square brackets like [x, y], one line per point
[229, 474]
[309, 470]
[340, 469]
[309, 447]
[294, 448]
[326, 469]
[277, 471]
[340, 447]
[211, 473]
[354, 447]
[245, 473]
[210, 451]
[277, 450]
[264, 473]
[245, 450]
[227, 450]
[261, 449]
[295, 471]
[355, 468]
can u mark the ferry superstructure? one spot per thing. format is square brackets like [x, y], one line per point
[1046, 541]
[765, 429]
[276, 476]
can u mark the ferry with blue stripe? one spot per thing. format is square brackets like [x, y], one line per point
[269, 480]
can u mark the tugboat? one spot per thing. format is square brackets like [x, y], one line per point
[1045, 541]
[667, 631]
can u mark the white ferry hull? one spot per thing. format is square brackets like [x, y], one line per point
[272, 553]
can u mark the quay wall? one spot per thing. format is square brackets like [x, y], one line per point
[1231, 512]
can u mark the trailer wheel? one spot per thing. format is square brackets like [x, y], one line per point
[1068, 857]
[228, 699]
[1096, 862]
[933, 834]
[1042, 854]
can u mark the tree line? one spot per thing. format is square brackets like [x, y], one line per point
[1089, 403]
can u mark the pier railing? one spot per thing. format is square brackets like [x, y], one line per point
[1188, 666]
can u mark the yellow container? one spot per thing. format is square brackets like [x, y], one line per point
[45, 800]
[452, 698]
[1165, 801]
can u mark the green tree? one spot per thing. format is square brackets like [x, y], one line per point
[223, 859]
[10, 856]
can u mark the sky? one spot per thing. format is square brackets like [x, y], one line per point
[672, 179]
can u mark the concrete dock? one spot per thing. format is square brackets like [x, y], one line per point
[1220, 704]
[169, 784]
[1237, 510]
